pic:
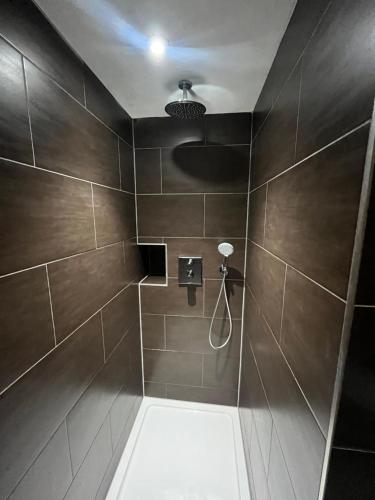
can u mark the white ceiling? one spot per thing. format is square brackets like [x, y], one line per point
[225, 47]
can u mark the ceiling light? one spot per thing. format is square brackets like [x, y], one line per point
[157, 46]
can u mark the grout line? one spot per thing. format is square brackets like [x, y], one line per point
[101, 322]
[59, 260]
[161, 171]
[69, 447]
[119, 160]
[282, 307]
[28, 108]
[64, 339]
[197, 146]
[300, 272]
[165, 332]
[269, 454]
[241, 238]
[265, 216]
[135, 187]
[364, 124]
[141, 335]
[202, 378]
[355, 450]
[298, 112]
[204, 216]
[364, 306]
[46, 170]
[50, 303]
[93, 215]
[84, 90]
[213, 193]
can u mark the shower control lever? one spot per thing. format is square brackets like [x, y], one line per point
[190, 271]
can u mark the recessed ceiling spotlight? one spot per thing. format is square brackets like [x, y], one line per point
[157, 45]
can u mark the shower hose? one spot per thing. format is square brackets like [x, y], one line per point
[217, 347]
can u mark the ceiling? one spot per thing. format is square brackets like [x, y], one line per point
[225, 47]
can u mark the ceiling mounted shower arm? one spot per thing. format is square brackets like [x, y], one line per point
[185, 85]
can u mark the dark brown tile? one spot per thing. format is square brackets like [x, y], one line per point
[148, 170]
[172, 299]
[97, 276]
[234, 292]
[337, 100]
[50, 475]
[45, 216]
[208, 395]
[167, 132]
[68, 139]
[355, 419]
[173, 367]
[350, 475]
[153, 333]
[87, 481]
[304, 20]
[103, 105]
[34, 407]
[170, 215]
[228, 128]
[265, 276]
[259, 473]
[191, 335]
[302, 442]
[126, 167]
[119, 316]
[274, 147]
[220, 370]
[257, 214]
[256, 402]
[89, 413]
[214, 169]
[155, 390]
[26, 323]
[211, 258]
[120, 411]
[22, 23]
[310, 339]
[133, 262]
[15, 139]
[114, 215]
[225, 215]
[328, 187]
[279, 482]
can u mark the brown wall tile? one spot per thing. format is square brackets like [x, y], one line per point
[225, 215]
[34, 407]
[148, 170]
[96, 275]
[153, 331]
[279, 482]
[155, 390]
[114, 215]
[220, 371]
[310, 339]
[312, 212]
[228, 128]
[44, 217]
[167, 132]
[126, 167]
[26, 323]
[211, 293]
[154, 215]
[174, 367]
[257, 215]
[209, 395]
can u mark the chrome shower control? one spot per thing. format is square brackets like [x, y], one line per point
[190, 271]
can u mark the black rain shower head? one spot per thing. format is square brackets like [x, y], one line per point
[185, 109]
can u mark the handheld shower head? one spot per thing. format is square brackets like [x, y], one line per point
[226, 249]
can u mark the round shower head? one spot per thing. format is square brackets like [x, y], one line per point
[225, 249]
[185, 109]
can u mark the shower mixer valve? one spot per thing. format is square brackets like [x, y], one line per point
[190, 271]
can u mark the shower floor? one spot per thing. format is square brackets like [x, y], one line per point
[182, 451]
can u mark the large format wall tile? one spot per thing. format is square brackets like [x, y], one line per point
[126, 167]
[154, 215]
[220, 370]
[103, 105]
[274, 146]
[257, 214]
[228, 128]
[279, 482]
[220, 169]
[310, 339]
[210, 395]
[324, 188]
[148, 170]
[234, 293]
[51, 473]
[167, 132]
[302, 442]
[334, 102]
[114, 215]
[174, 367]
[118, 316]
[153, 331]
[259, 474]
[34, 407]
[24, 25]
[44, 217]
[97, 276]
[68, 139]
[15, 139]
[26, 323]
[265, 277]
[172, 299]
[225, 215]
